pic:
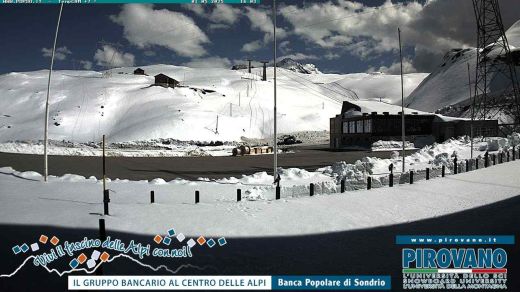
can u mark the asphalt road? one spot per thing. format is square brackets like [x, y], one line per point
[137, 168]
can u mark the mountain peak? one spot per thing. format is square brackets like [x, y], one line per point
[295, 66]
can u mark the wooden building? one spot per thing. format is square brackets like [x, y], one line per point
[362, 123]
[165, 81]
[139, 71]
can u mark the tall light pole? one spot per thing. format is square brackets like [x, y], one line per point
[472, 112]
[402, 97]
[275, 147]
[46, 131]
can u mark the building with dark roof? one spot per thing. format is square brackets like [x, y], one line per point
[139, 71]
[165, 81]
[362, 123]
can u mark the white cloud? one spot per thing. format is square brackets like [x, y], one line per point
[210, 62]
[330, 25]
[87, 65]
[215, 26]
[431, 27]
[221, 16]
[261, 21]
[299, 56]
[252, 46]
[224, 13]
[145, 26]
[284, 47]
[395, 68]
[110, 57]
[195, 8]
[60, 54]
[331, 56]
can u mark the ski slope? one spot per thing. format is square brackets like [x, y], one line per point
[215, 104]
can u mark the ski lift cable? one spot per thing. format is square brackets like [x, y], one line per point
[319, 94]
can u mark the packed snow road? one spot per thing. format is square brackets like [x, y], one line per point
[191, 168]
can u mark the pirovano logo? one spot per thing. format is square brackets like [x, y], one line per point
[449, 266]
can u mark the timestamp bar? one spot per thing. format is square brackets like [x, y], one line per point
[130, 1]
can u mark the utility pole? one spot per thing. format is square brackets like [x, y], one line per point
[275, 146]
[46, 131]
[472, 111]
[264, 76]
[249, 66]
[402, 98]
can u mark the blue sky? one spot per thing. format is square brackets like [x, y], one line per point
[337, 36]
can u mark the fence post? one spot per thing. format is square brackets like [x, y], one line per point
[277, 195]
[514, 155]
[411, 176]
[427, 173]
[312, 189]
[106, 200]
[476, 163]
[239, 195]
[486, 159]
[197, 197]
[443, 171]
[391, 180]
[152, 197]
[455, 166]
[500, 157]
[467, 165]
[369, 183]
[507, 156]
[342, 185]
[494, 159]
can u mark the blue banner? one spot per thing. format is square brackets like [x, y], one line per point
[454, 239]
[331, 283]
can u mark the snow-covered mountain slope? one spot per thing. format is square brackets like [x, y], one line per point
[448, 84]
[84, 105]
[292, 65]
[379, 86]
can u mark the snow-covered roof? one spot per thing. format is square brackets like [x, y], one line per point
[369, 106]
[380, 107]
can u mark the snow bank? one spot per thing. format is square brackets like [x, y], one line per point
[150, 149]
[391, 145]
[432, 156]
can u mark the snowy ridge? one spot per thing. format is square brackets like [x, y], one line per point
[84, 105]
[292, 65]
[448, 84]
